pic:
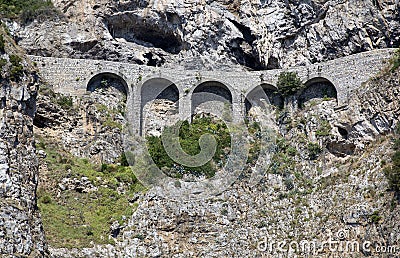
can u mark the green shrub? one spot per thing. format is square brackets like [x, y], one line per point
[289, 184]
[3, 62]
[189, 135]
[396, 61]
[393, 172]
[27, 10]
[64, 101]
[2, 43]
[40, 145]
[375, 217]
[324, 129]
[17, 70]
[110, 122]
[291, 151]
[123, 160]
[281, 164]
[397, 129]
[313, 150]
[289, 83]
[46, 199]
[396, 145]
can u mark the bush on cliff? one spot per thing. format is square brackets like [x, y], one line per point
[396, 61]
[289, 83]
[2, 43]
[27, 10]
[393, 171]
[189, 136]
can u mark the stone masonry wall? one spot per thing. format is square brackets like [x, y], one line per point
[71, 76]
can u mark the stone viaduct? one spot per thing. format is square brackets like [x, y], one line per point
[143, 83]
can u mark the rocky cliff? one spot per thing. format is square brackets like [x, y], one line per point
[325, 182]
[214, 34]
[21, 231]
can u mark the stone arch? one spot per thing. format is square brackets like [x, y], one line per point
[257, 95]
[211, 92]
[108, 79]
[162, 92]
[317, 88]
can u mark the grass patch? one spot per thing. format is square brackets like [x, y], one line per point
[324, 129]
[392, 171]
[78, 219]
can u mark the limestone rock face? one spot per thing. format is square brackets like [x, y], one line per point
[21, 230]
[339, 193]
[375, 109]
[214, 34]
[88, 127]
[335, 182]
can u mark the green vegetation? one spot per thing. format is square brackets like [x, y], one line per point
[64, 101]
[27, 10]
[189, 135]
[255, 142]
[110, 122]
[17, 70]
[78, 218]
[282, 162]
[392, 171]
[2, 43]
[324, 129]
[313, 150]
[396, 61]
[289, 83]
[375, 217]
[110, 115]
[289, 183]
[3, 62]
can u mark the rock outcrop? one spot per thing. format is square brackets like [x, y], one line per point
[21, 231]
[214, 34]
[325, 183]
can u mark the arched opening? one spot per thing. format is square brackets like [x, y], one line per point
[212, 97]
[264, 94]
[317, 89]
[159, 101]
[109, 82]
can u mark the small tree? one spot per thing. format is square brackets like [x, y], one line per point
[289, 83]
[313, 150]
[395, 61]
[392, 172]
[2, 43]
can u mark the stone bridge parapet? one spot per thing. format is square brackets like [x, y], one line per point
[72, 77]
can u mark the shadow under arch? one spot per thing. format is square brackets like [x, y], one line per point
[106, 80]
[317, 88]
[210, 91]
[257, 95]
[157, 89]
